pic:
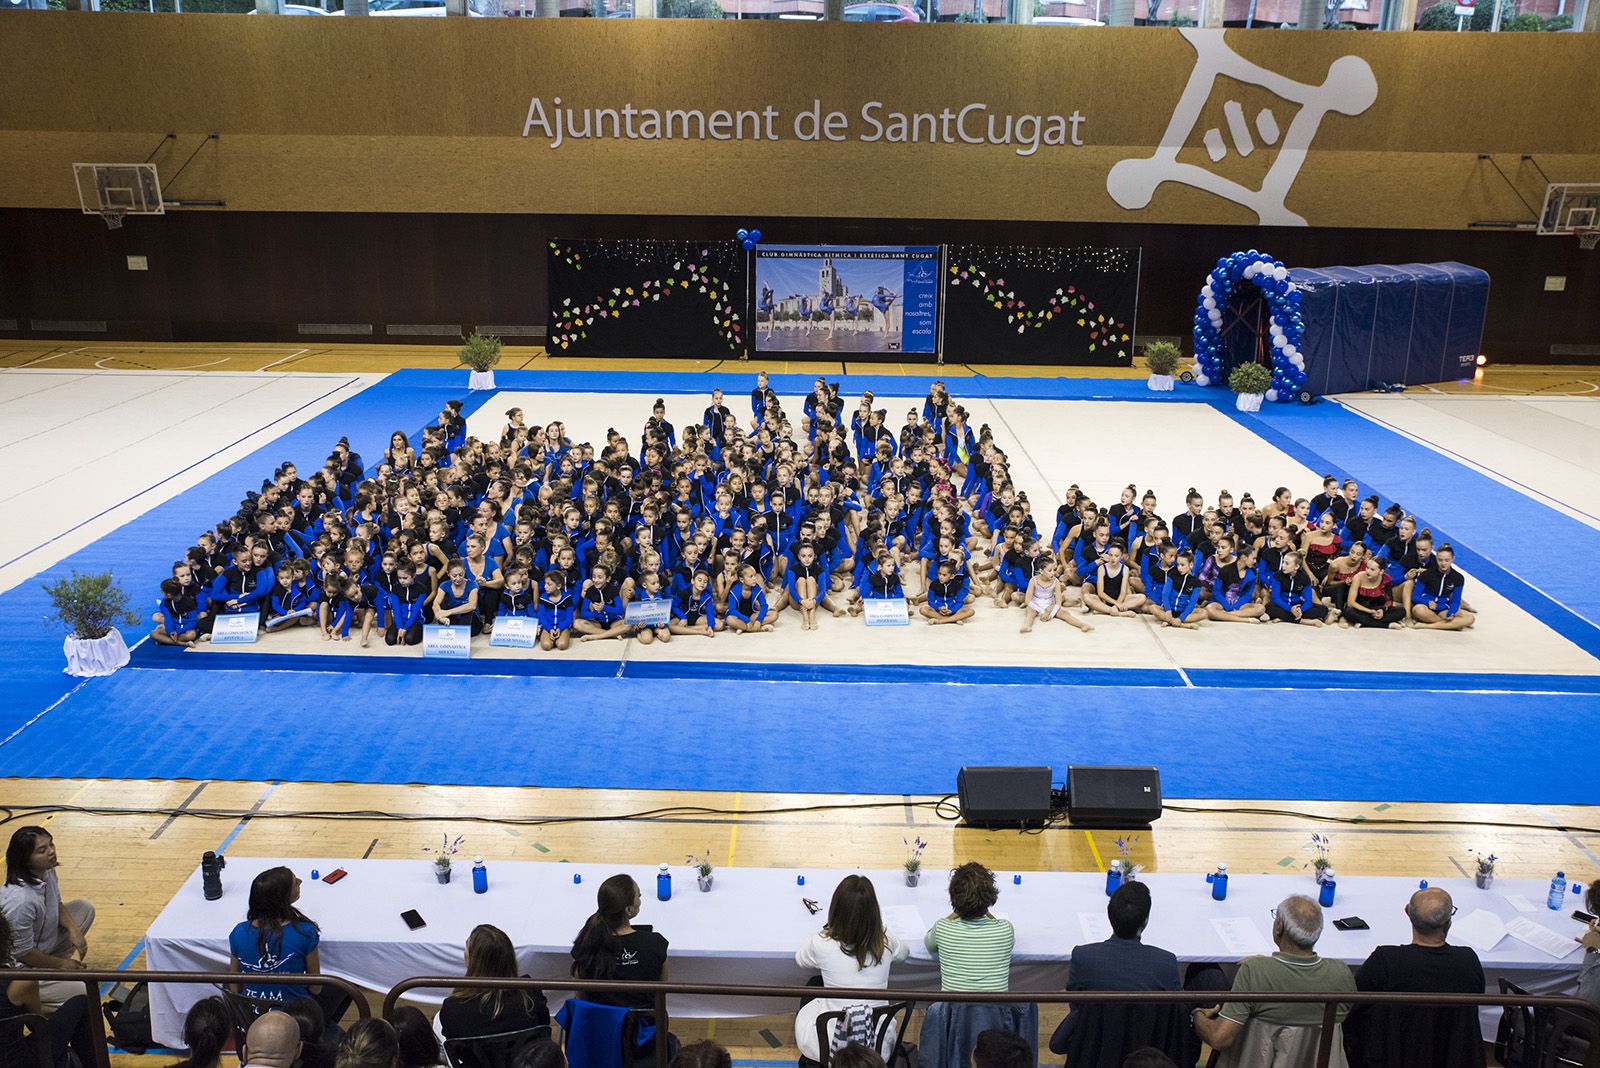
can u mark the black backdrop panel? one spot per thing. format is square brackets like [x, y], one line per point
[1066, 306]
[646, 298]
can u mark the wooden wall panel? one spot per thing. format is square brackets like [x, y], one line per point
[426, 116]
[247, 275]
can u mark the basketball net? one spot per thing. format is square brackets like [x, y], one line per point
[1588, 239]
[112, 217]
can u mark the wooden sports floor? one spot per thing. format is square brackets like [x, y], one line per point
[129, 845]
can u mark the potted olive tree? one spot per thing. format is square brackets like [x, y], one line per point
[481, 352]
[91, 606]
[1250, 382]
[1162, 358]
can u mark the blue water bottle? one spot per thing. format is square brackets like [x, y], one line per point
[480, 876]
[1219, 883]
[1325, 898]
[1113, 877]
[664, 884]
[1558, 892]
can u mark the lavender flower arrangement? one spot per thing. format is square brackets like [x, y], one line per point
[1130, 870]
[1323, 844]
[445, 854]
[1485, 862]
[702, 863]
[913, 861]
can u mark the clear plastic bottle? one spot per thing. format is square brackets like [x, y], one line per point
[1558, 892]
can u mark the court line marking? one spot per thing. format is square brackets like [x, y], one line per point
[148, 489]
[1099, 864]
[54, 705]
[286, 359]
[76, 417]
[51, 355]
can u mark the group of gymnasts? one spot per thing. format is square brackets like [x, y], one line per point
[732, 523]
[827, 308]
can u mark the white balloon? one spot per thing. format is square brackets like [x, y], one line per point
[1289, 350]
[1205, 291]
[1200, 379]
[1280, 273]
[1277, 342]
[1275, 330]
[1250, 271]
[1293, 288]
[1208, 303]
[1298, 360]
[1272, 395]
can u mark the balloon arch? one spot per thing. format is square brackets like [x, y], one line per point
[1284, 324]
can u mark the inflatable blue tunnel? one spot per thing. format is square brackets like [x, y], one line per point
[1397, 324]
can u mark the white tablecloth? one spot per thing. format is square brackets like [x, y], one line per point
[746, 930]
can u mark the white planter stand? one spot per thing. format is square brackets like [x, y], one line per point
[1160, 383]
[90, 657]
[480, 380]
[1249, 402]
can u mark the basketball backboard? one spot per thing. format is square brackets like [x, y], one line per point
[1572, 208]
[113, 190]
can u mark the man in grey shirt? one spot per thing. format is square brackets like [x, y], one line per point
[46, 933]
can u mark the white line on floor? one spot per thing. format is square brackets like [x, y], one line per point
[286, 359]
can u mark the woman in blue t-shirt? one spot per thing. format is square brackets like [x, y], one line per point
[278, 939]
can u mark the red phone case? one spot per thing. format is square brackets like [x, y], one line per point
[335, 875]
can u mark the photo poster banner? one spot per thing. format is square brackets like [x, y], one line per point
[1061, 306]
[858, 299]
[647, 298]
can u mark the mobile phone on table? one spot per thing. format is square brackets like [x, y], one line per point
[413, 919]
[335, 875]
[1351, 923]
[1581, 916]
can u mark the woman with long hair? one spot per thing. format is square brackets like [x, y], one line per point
[612, 946]
[368, 1044]
[68, 1026]
[854, 949]
[418, 1045]
[276, 938]
[205, 1032]
[472, 1011]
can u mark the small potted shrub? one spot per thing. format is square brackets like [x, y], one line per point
[91, 606]
[445, 855]
[1322, 863]
[913, 861]
[481, 352]
[1484, 876]
[1250, 381]
[1162, 358]
[703, 870]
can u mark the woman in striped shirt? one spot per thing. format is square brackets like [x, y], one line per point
[973, 946]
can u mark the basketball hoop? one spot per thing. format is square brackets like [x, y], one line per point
[1588, 239]
[112, 217]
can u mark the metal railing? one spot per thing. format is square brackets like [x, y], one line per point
[92, 978]
[659, 993]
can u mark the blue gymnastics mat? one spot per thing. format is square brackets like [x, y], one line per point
[804, 737]
[1216, 734]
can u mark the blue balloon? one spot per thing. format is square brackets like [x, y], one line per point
[741, 233]
[755, 237]
[749, 245]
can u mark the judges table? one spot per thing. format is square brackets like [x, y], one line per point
[746, 930]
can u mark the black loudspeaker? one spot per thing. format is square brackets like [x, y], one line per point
[1004, 797]
[1113, 797]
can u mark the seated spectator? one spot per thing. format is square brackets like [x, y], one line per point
[973, 946]
[853, 951]
[1121, 962]
[205, 1032]
[317, 1039]
[273, 1041]
[1149, 1057]
[415, 1039]
[1419, 1036]
[368, 1044]
[66, 1032]
[1589, 970]
[545, 1053]
[46, 933]
[856, 1055]
[703, 1054]
[472, 1011]
[1002, 1049]
[275, 938]
[1283, 1034]
[612, 946]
